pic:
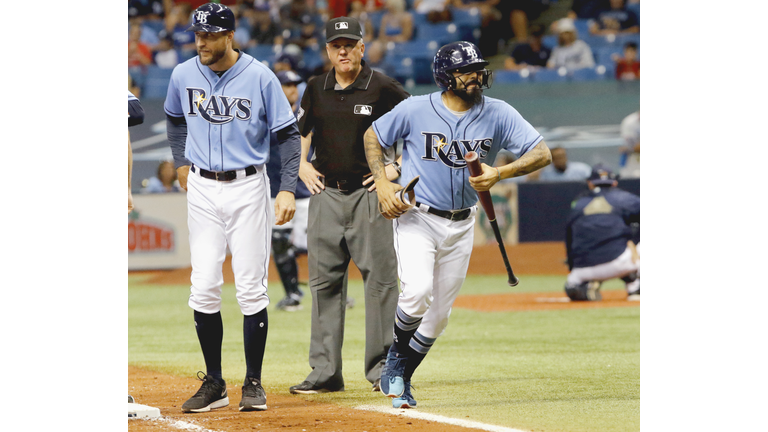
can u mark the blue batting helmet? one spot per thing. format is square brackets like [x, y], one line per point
[461, 56]
[213, 18]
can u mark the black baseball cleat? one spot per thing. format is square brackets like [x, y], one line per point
[210, 396]
[254, 398]
[308, 388]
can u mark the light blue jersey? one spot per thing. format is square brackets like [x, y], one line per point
[435, 141]
[229, 119]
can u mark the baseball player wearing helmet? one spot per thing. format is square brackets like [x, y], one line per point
[433, 235]
[222, 106]
[600, 238]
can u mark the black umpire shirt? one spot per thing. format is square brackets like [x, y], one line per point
[340, 117]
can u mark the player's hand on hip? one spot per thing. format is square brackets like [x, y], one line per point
[130, 200]
[484, 181]
[310, 176]
[183, 173]
[285, 207]
[390, 205]
[392, 175]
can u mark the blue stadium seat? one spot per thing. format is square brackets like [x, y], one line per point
[634, 7]
[442, 33]
[582, 26]
[421, 53]
[312, 58]
[510, 77]
[156, 82]
[549, 75]
[603, 54]
[466, 17]
[375, 18]
[588, 74]
[419, 19]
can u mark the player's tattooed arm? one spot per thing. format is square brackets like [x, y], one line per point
[535, 159]
[389, 205]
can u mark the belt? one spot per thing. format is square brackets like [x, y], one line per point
[225, 175]
[451, 215]
[343, 185]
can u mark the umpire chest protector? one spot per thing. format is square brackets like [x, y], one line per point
[340, 117]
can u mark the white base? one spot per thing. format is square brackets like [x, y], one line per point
[139, 411]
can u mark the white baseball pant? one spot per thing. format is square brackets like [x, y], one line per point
[238, 215]
[433, 258]
[618, 268]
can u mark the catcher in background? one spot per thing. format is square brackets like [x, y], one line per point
[602, 238]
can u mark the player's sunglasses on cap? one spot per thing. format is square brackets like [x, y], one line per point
[212, 18]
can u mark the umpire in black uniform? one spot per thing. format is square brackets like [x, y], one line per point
[344, 220]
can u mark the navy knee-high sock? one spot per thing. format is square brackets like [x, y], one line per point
[405, 328]
[419, 346]
[255, 338]
[210, 333]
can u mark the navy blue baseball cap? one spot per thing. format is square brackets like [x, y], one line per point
[602, 176]
[213, 18]
[288, 77]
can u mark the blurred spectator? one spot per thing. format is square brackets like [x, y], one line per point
[374, 56]
[293, 87]
[290, 58]
[166, 56]
[165, 181]
[436, 10]
[492, 30]
[148, 9]
[570, 52]
[588, 9]
[357, 10]
[615, 20]
[630, 133]
[139, 54]
[561, 169]
[521, 13]
[628, 67]
[132, 87]
[176, 25]
[531, 53]
[326, 65]
[299, 21]
[396, 24]
[264, 30]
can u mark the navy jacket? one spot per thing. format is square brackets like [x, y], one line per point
[599, 226]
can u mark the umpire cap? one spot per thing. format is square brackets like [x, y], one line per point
[343, 27]
[602, 176]
[213, 18]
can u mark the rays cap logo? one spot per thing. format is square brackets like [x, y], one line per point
[343, 27]
[213, 18]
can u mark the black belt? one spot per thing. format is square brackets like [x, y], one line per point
[452, 215]
[224, 175]
[343, 185]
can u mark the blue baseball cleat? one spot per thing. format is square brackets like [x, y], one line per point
[392, 384]
[406, 400]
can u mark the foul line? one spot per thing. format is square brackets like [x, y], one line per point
[179, 424]
[437, 418]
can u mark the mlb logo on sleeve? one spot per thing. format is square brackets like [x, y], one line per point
[342, 25]
[363, 109]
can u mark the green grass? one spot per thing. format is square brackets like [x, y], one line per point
[569, 370]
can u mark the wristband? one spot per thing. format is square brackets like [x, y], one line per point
[499, 174]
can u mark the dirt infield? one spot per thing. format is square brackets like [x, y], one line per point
[286, 412]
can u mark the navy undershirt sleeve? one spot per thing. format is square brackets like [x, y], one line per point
[176, 129]
[289, 140]
[136, 113]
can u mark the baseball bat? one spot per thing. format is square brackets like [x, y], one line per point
[473, 163]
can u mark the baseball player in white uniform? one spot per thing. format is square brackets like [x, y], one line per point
[433, 235]
[222, 106]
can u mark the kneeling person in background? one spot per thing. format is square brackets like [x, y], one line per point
[599, 239]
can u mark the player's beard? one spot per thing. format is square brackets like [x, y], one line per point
[216, 55]
[471, 96]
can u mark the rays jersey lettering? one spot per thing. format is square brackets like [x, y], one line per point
[436, 147]
[217, 109]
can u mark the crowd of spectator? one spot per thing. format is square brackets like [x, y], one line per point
[158, 37]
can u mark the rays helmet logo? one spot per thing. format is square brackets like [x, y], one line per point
[217, 109]
[452, 154]
[202, 17]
